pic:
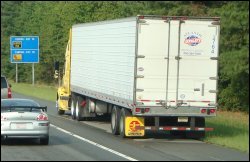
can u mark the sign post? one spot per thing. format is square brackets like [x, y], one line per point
[24, 49]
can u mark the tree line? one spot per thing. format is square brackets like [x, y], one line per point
[51, 21]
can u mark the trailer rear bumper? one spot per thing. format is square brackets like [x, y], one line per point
[174, 128]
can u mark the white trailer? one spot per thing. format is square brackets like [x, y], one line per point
[160, 71]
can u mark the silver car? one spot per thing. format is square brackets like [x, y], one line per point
[5, 88]
[24, 118]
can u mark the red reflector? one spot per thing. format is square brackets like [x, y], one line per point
[203, 110]
[83, 103]
[137, 110]
[9, 93]
[147, 109]
[212, 110]
[141, 17]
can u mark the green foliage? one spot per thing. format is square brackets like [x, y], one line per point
[51, 21]
[234, 82]
[234, 56]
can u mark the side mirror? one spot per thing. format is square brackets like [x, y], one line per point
[56, 65]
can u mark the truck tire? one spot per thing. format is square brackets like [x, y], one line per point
[115, 118]
[79, 109]
[124, 113]
[73, 107]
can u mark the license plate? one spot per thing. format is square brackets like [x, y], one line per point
[21, 126]
[183, 119]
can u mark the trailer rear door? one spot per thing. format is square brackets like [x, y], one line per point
[197, 63]
[151, 66]
[177, 62]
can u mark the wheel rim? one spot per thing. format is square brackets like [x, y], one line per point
[77, 109]
[121, 124]
[72, 109]
[113, 120]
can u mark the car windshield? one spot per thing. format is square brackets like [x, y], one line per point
[3, 82]
[27, 105]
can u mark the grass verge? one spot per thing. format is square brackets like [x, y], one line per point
[231, 129]
[39, 91]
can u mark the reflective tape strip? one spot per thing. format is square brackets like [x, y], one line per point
[177, 128]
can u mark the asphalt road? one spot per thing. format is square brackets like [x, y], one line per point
[92, 141]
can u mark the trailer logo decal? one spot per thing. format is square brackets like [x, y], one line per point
[133, 125]
[192, 39]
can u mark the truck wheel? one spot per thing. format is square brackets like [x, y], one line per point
[124, 114]
[73, 107]
[115, 118]
[79, 108]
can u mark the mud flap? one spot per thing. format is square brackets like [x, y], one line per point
[134, 126]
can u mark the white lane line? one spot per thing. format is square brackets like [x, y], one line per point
[217, 159]
[95, 144]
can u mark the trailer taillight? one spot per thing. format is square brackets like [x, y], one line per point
[147, 110]
[212, 111]
[142, 110]
[203, 111]
[137, 110]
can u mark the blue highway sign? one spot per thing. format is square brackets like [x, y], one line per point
[24, 49]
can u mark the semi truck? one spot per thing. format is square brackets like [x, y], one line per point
[157, 73]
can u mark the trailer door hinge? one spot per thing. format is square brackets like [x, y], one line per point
[213, 78]
[214, 58]
[139, 90]
[139, 76]
[177, 57]
[140, 56]
[213, 91]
